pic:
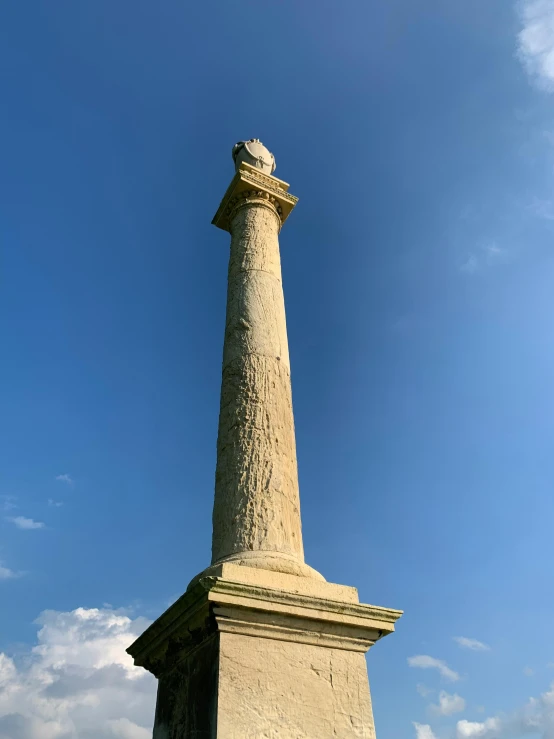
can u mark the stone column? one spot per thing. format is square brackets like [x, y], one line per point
[256, 516]
[260, 646]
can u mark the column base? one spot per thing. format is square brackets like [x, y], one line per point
[262, 560]
[252, 654]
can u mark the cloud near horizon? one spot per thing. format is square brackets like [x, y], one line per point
[536, 41]
[26, 524]
[78, 681]
[469, 729]
[487, 254]
[535, 718]
[65, 478]
[7, 502]
[425, 662]
[473, 644]
[448, 704]
[423, 731]
[423, 690]
[6, 573]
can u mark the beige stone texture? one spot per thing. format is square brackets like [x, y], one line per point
[240, 659]
[256, 516]
[287, 583]
[248, 179]
[270, 689]
[260, 646]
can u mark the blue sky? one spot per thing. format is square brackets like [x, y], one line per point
[418, 271]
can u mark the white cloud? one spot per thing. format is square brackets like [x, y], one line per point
[424, 731]
[7, 502]
[488, 728]
[65, 478]
[126, 729]
[473, 644]
[492, 252]
[423, 690]
[471, 265]
[536, 41]
[542, 209]
[6, 573]
[528, 671]
[485, 255]
[448, 704]
[536, 718]
[55, 503]
[78, 682]
[425, 662]
[26, 523]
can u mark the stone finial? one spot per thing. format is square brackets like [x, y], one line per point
[253, 152]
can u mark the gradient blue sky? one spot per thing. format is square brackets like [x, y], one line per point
[418, 271]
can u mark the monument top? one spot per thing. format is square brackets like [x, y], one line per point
[253, 152]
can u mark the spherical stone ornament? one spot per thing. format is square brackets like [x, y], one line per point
[253, 152]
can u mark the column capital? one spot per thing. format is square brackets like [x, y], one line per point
[249, 182]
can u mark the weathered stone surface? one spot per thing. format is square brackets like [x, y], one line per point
[254, 153]
[248, 657]
[256, 505]
[260, 646]
[187, 695]
[248, 182]
[285, 582]
[271, 689]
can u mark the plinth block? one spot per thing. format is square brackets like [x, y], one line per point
[251, 654]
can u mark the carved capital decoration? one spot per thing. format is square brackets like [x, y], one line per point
[258, 197]
[251, 185]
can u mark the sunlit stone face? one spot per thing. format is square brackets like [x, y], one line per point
[255, 153]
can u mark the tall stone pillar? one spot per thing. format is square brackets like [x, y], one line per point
[256, 518]
[260, 646]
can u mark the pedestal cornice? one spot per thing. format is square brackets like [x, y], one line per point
[218, 605]
[249, 182]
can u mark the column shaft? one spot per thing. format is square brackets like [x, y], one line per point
[256, 506]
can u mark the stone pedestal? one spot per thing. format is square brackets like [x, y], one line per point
[251, 654]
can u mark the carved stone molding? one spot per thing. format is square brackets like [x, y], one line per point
[220, 605]
[251, 185]
[254, 197]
